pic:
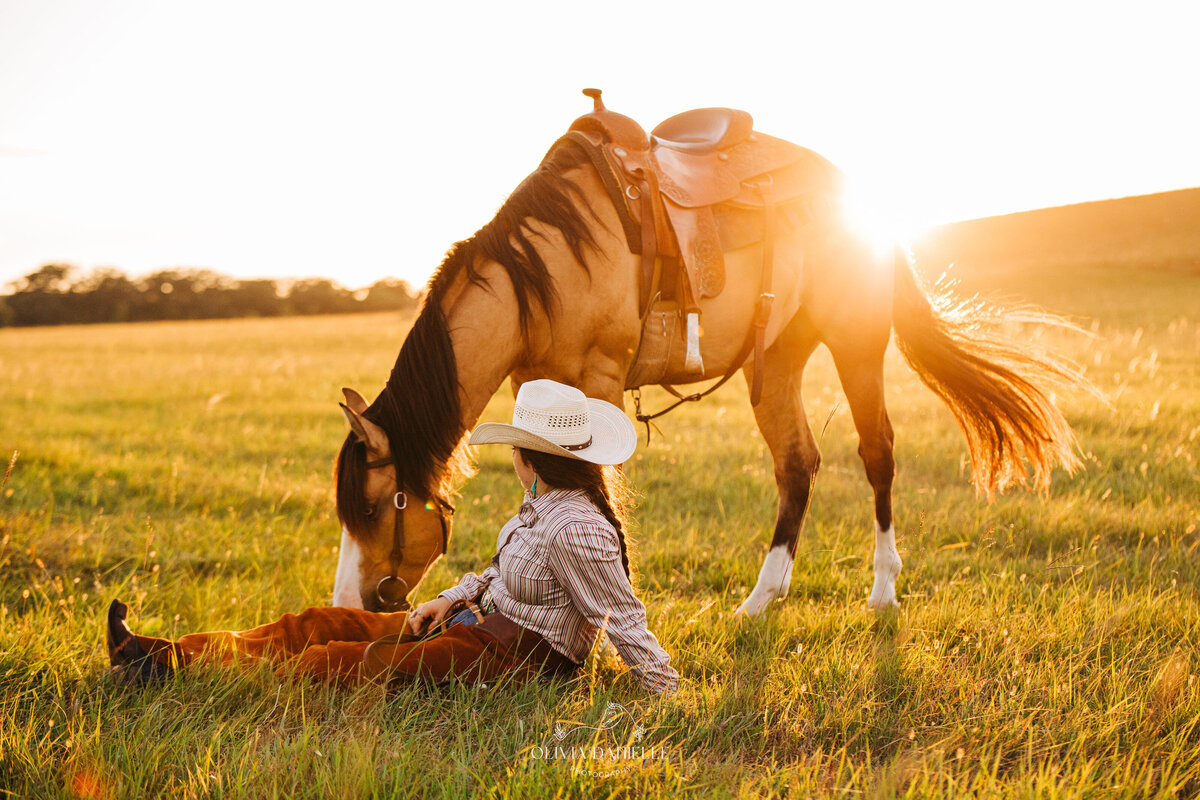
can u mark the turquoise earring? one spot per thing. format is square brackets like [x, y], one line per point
[533, 489]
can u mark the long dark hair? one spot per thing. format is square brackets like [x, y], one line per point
[604, 486]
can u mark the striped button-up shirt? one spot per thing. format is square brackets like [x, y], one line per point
[560, 576]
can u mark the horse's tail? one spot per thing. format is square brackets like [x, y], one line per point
[995, 387]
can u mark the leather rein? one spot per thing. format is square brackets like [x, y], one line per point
[392, 590]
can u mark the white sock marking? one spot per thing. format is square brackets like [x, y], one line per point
[346, 592]
[773, 581]
[887, 567]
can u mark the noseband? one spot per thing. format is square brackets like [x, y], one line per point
[392, 590]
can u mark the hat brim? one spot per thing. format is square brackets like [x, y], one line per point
[613, 436]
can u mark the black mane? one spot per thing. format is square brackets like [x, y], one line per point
[419, 408]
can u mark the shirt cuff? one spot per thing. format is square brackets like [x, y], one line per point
[661, 678]
[470, 587]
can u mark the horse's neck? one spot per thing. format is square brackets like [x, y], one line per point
[486, 337]
[485, 330]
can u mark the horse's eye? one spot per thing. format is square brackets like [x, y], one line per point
[369, 512]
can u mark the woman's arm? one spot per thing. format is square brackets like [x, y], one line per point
[586, 560]
[470, 585]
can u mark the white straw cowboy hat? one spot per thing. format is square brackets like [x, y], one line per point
[551, 417]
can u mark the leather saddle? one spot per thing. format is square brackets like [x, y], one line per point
[692, 164]
[701, 183]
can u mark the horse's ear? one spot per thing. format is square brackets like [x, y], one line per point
[355, 400]
[367, 432]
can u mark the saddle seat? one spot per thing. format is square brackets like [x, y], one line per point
[703, 182]
[703, 130]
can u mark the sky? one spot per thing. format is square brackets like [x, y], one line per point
[359, 140]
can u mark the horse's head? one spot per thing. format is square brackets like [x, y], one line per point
[390, 534]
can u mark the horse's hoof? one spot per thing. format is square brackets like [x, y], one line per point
[882, 605]
[773, 581]
[753, 606]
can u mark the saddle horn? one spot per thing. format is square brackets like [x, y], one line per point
[595, 95]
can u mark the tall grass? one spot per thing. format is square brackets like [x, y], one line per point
[1045, 646]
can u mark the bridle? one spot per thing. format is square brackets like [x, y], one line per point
[392, 590]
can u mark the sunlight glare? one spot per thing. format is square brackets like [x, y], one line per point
[878, 222]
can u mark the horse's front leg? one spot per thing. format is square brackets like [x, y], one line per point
[784, 426]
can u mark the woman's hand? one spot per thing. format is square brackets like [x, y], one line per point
[426, 614]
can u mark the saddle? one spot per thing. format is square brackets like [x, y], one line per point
[701, 183]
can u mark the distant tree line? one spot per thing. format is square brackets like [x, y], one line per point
[60, 294]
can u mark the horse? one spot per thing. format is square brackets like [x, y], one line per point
[549, 288]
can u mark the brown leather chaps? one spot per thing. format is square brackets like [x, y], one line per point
[348, 646]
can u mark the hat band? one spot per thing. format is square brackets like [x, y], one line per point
[574, 447]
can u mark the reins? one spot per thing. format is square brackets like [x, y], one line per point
[738, 362]
[392, 590]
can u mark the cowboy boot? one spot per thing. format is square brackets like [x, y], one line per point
[132, 663]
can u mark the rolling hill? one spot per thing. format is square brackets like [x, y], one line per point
[1160, 231]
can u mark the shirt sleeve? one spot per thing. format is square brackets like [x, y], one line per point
[586, 561]
[470, 585]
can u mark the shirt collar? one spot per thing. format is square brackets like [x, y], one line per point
[544, 501]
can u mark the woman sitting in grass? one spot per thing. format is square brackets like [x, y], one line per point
[559, 575]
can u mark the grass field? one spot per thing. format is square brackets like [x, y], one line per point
[1046, 646]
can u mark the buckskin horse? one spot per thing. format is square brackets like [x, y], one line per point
[598, 270]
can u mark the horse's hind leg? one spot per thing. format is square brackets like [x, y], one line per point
[860, 369]
[784, 426]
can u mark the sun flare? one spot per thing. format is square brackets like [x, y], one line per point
[877, 222]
